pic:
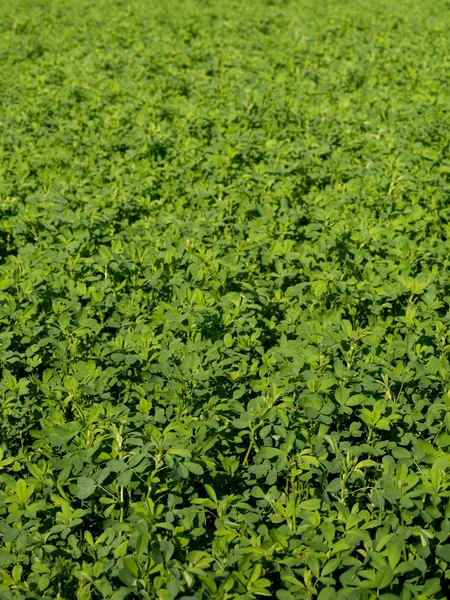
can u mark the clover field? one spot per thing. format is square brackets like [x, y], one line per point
[224, 300]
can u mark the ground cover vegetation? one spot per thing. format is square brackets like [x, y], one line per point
[225, 299]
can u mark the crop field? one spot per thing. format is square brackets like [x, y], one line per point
[224, 299]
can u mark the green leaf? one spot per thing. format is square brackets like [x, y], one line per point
[85, 487]
[313, 504]
[24, 492]
[6, 558]
[384, 577]
[194, 468]
[334, 485]
[443, 552]
[228, 340]
[284, 595]
[131, 565]
[394, 551]
[327, 593]
[267, 453]
[126, 577]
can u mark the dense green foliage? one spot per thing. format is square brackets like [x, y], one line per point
[224, 299]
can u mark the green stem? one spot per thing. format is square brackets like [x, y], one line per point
[245, 462]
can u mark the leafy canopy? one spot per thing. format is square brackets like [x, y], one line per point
[224, 300]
